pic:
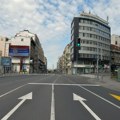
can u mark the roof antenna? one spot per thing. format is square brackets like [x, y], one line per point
[107, 18]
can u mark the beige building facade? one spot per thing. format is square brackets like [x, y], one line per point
[5, 60]
[115, 52]
[64, 62]
[34, 60]
[115, 57]
[115, 40]
[4, 46]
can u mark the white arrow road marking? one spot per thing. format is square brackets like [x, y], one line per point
[13, 90]
[23, 99]
[80, 99]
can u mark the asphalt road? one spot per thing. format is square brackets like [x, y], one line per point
[56, 97]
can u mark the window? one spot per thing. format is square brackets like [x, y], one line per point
[116, 43]
[91, 35]
[83, 34]
[83, 41]
[88, 35]
[87, 42]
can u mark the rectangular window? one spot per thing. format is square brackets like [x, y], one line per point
[83, 41]
[91, 22]
[87, 42]
[88, 35]
[88, 22]
[83, 34]
[83, 27]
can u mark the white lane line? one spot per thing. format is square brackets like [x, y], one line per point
[52, 115]
[12, 90]
[63, 84]
[40, 83]
[97, 95]
[100, 97]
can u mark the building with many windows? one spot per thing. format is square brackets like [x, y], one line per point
[5, 60]
[27, 53]
[95, 38]
[115, 52]
[115, 40]
[115, 57]
[64, 62]
[4, 46]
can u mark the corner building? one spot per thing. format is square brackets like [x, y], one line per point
[95, 36]
[27, 53]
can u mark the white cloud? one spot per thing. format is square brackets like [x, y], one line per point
[51, 20]
[110, 8]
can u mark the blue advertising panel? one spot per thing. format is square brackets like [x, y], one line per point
[19, 50]
[6, 61]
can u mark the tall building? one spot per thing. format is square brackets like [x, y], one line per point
[115, 52]
[5, 60]
[95, 39]
[27, 53]
[64, 62]
[115, 57]
[60, 65]
[115, 40]
[4, 46]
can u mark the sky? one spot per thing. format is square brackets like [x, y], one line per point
[51, 20]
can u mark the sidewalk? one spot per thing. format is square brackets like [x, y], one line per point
[104, 80]
[13, 74]
[20, 74]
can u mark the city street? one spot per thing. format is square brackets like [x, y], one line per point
[56, 97]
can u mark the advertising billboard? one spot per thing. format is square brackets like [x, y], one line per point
[6, 61]
[19, 51]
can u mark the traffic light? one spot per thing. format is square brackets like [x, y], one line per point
[78, 42]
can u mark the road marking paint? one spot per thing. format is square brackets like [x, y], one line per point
[57, 84]
[12, 90]
[24, 98]
[81, 100]
[116, 96]
[52, 115]
[97, 95]
[100, 97]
